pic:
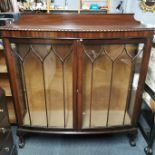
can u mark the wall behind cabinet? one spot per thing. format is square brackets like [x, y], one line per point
[144, 17]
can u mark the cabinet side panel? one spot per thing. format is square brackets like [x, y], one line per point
[15, 87]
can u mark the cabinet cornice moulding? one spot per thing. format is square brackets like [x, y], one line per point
[76, 23]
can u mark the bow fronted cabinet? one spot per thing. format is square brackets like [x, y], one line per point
[76, 73]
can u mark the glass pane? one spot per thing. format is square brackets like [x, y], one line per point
[137, 60]
[34, 86]
[108, 84]
[122, 68]
[46, 73]
[96, 86]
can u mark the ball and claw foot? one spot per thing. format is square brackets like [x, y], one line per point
[132, 142]
[132, 139]
[148, 150]
[21, 142]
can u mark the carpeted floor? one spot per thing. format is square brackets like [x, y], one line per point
[69, 145]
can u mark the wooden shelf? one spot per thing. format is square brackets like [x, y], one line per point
[99, 118]
[94, 11]
[106, 7]
[4, 83]
[12, 117]
[3, 67]
[55, 119]
[1, 49]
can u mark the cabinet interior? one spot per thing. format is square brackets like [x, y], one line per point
[108, 83]
[48, 92]
[108, 89]
[11, 111]
[4, 81]
[3, 68]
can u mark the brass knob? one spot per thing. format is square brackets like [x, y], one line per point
[3, 130]
[7, 149]
[1, 110]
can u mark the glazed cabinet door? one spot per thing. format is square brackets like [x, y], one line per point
[45, 71]
[109, 75]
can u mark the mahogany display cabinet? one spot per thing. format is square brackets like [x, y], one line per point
[77, 74]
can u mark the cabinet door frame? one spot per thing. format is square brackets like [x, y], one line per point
[78, 70]
[14, 78]
[143, 70]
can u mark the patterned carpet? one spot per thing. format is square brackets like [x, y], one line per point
[75, 145]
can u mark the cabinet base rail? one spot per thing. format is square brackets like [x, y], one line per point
[22, 132]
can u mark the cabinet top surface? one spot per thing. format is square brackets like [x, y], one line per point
[76, 23]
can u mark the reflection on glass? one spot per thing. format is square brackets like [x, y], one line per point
[46, 72]
[110, 72]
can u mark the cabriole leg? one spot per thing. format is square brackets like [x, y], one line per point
[132, 138]
[148, 150]
[21, 141]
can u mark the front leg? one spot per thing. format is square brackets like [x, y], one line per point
[148, 150]
[21, 143]
[132, 138]
[21, 140]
